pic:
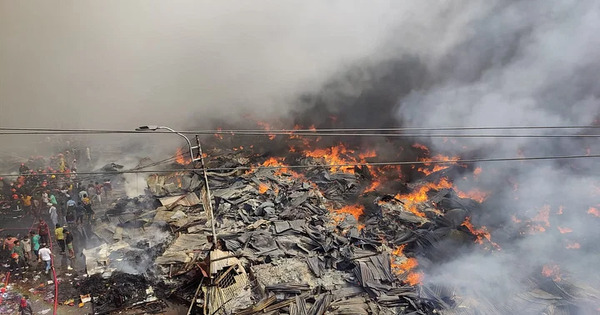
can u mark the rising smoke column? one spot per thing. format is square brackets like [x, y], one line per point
[523, 63]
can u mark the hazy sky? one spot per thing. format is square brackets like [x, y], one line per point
[119, 64]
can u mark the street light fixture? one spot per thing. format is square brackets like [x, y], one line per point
[154, 128]
[208, 202]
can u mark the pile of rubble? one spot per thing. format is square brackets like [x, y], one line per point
[286, 243]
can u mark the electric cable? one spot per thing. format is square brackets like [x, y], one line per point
[258, 167]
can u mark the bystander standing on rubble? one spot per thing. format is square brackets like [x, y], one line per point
[60, 238]
[83, 194]
[80, 210]
[26, 248]
[70, 213]
[17, 264]
[25, 306]
[91, 190]
[35, 243]
[69, 242]
[23, 169]
[99, 189]
[45, 197]
[18, 249]
[9, 243]
[36, 209]
[27, 203]
[89, 212]
[53, 199]
[46, 256]
[53, 214]
[44, 231]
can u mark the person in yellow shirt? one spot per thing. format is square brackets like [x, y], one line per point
[60, 237]
[26, 202]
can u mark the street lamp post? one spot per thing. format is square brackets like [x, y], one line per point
[154, 128]
[192, 159]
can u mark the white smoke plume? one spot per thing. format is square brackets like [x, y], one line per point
[520, 63]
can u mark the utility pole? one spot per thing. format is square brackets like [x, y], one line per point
[199, 157]
[209, 206]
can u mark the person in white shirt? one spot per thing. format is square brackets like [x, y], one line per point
[53, 214]
[45, 255]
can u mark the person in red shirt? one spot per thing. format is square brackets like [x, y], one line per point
[9, 242]
[44, 231]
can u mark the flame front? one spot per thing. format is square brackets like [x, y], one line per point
[413, 199]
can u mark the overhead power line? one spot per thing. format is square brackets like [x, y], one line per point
[314, 134]
[258, 167]
[283, 131]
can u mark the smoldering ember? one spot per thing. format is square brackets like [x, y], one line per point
[291, 223]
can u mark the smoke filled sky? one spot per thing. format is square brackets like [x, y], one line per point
[121, 64]
[115, 64]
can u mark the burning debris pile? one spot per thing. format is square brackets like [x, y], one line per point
[321, 238]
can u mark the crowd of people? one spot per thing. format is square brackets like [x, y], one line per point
[58, 201]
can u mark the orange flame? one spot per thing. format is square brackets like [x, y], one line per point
[355, 210]
[374, 185]
[551, 271]
[333, 156]
[479, 233]
[594, 211]
[436, 167]
[413, 199]
[421, 147]
[414, 278]
[180, 158]
[280, 167]
[475, 194]
[262, 188]
[406, 266]
[543, 217]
